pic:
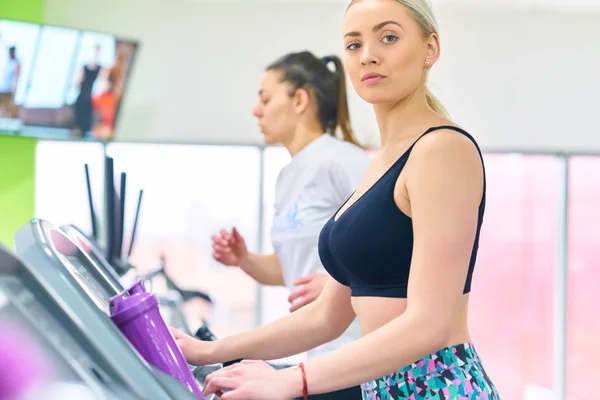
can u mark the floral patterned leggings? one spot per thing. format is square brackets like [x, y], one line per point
[453, 373]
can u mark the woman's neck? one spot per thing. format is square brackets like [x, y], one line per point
[404, 119]
[301, 139]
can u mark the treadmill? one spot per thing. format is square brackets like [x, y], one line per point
[73, 282]
[170, 304]
[79, 370]
[113, 284]
[112, 262]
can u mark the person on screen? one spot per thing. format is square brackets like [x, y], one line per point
[106, 103]
[9, 81]
[302, 103]
[83, 107]
[116, 73]
[105, 107]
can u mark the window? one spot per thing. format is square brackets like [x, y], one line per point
[583, 323]
[511, 306]
[61, 195]
[273, 302]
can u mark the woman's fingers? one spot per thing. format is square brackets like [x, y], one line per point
[220, 383]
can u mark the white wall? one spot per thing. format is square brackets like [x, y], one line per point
[518, 79]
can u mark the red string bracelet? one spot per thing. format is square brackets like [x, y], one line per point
[304, 383]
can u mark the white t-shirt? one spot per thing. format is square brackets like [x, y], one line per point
[309, 190]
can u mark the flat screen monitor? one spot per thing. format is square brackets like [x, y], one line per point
[62, 83]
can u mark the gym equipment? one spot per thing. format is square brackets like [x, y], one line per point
[120, 273]
[42, 348]
[114, 264]
[185, 293]
[117, 268]
[113, 284]
[58, 263]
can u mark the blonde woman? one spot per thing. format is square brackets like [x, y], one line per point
[401, 251]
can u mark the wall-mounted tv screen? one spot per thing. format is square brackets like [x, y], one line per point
[61, 83]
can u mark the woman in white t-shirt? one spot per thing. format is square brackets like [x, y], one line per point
[302, 103]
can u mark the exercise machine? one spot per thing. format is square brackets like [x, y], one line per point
[73, 281]
[38, 334]
[171, 303]
[114, 261]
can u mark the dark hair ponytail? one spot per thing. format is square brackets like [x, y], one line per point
[343, 112]
[328, 88]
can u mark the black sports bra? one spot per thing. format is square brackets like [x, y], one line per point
[369, 247]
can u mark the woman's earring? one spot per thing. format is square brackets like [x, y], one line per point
[427, 63]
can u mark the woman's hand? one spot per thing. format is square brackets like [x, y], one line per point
[229, 248]
[253, 380]
[309, 288]
[195, 351]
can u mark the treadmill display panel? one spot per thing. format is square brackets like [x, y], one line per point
[71, 257]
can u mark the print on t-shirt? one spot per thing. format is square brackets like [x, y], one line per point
[290, 221]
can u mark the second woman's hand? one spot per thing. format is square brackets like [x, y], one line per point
[229, 248]
[308, 290]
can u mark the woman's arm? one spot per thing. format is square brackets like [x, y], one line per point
[444, 182]
[315, 324]
[265, 269]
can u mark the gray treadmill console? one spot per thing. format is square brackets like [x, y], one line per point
[170, 304]
[43, 322]
[104, 272]
[58, 264]
[106, 277]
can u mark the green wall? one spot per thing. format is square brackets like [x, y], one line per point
[24, 10]
[17, 185]
[17, 155]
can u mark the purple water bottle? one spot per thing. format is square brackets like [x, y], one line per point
[136, 314]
